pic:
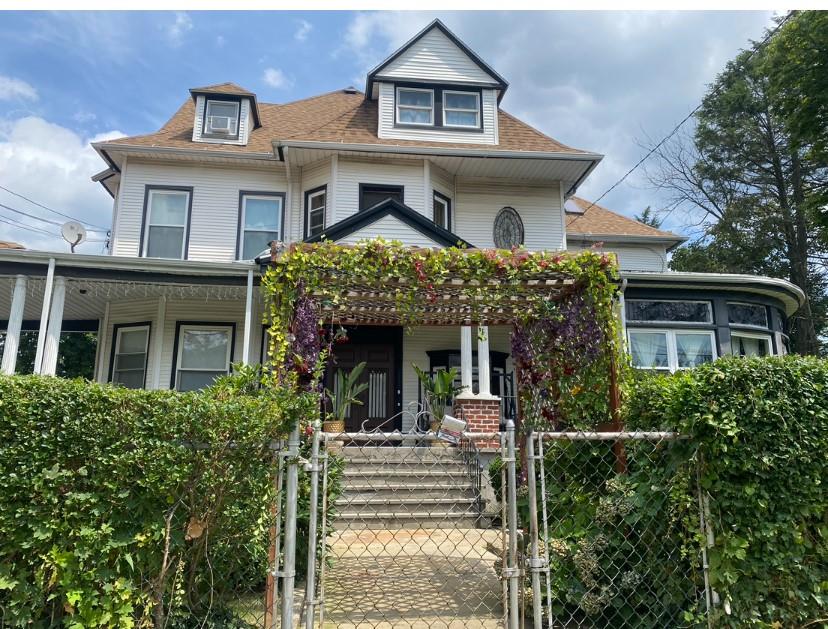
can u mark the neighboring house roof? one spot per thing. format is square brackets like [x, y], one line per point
[229, 89]
[400, 211]
[590, 219]
[5, 244]
[342, 116]
[497, 80]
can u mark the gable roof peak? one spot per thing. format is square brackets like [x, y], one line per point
[498, 81]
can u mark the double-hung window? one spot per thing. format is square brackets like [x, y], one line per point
[204, 354]
[461, 109]
[415, 106]
[315, 203]
[668, 350]
[260, 223]
[442, 210]
[750, 344]
[222, 119]
[167, 219]
[129, 355]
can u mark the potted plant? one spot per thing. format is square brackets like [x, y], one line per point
[347, 389]
[439, 390]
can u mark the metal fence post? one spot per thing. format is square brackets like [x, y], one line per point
[512, 570]
[535, 562]
[310, 592]
[289, 564]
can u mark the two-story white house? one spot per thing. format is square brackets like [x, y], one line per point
[424, 155]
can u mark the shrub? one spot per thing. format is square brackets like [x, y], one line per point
[130, 507]
[761, 429]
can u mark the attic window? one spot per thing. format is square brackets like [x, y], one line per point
[221, 119]
[415, 106]
[461, 109]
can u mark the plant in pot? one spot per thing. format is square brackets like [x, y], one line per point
[347, 389]
[439, 390]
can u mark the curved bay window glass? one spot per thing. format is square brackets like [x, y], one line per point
[754, 315]
[669, 311]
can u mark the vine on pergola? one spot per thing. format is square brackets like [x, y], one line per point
[561, 305]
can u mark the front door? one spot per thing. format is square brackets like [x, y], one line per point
[379, 400]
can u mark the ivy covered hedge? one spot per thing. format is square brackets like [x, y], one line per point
[121, 507]
[760, 428]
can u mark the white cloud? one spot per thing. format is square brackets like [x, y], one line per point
[34, 151]
[16, 89]
[182, 25]
[220, 41]
[303, 30]
[276, 78]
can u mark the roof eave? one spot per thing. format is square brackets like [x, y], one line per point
[135, 148]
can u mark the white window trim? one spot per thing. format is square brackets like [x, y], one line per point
[207, 128]
[748, 325]
[436, 197]
[672, 347]
[244, 230]
[311, 195]
[150, 194]
[206, 328]
[130, 328]
[674, 301]
[417, 107]
[475, 111]
[752, 335]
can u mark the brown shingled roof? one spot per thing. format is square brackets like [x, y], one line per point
[5, 244]
[222, 88]
[340, 116]
[597, 220]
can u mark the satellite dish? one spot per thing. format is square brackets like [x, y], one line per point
[74, 233]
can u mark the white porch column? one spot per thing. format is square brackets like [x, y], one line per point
[466, 362]
[248, 319]
[13, 328]
[50, 350]
[483, 369]
[44, 315]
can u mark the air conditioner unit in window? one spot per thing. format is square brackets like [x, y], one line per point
[221, 124]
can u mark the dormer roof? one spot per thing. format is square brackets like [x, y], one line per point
[229, 89]
[428, 56]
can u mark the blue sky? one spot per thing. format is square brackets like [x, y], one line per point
[603, 81]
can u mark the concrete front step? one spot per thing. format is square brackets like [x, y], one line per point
[395, 473]
[385, 495]
[395, 521]
[387, 453]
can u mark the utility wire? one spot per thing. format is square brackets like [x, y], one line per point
[37, 218]
[19, 225]
[46, 207]
[756, 49]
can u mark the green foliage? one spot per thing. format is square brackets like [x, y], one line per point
[439, 389]
[649, 217]
[76, 353]
[761, 430]
[346, 391]
[120, 506]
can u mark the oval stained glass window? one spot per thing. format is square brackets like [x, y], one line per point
[508, 229]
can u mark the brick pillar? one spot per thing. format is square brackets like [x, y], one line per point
[480, 415]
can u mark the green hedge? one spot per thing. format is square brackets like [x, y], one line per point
[96, 481]
[761, 429]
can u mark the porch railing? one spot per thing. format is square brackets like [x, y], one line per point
[502, 385]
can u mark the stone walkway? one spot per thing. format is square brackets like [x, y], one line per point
[421, 578]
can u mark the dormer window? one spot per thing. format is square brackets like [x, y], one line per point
[415, 106]
[221, 119]
[461, 109]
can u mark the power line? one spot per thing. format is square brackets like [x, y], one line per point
[19, 225]
[756, 49]
[46, 207]
[38, 218]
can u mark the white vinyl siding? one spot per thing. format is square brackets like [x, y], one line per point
[390, 228]
[434, 57]
[245, 123]
[351, 173]
[215, 204]
[442, 181]
[631, 257]
[539, 205]
[125, 313]
[387, 116]
[423, 339]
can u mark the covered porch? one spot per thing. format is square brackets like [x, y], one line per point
[146, 323]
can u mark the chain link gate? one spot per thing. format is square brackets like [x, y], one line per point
[412, 540]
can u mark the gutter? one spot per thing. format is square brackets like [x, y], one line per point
[626, 238]
[450, 152]
[103, 147]
[147, 265]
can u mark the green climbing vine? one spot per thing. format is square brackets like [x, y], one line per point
[307, 278]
